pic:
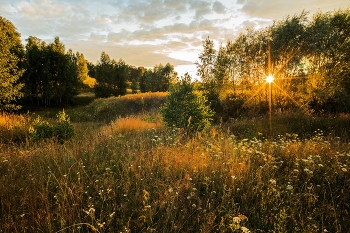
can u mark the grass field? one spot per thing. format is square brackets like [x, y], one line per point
[123, 171]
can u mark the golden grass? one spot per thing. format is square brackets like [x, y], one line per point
[135, 175]
[128, 124]
[10, 121]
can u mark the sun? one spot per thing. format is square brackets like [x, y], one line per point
[270, 78]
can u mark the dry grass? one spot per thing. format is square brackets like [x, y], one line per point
[13, 127]
[134, 175]
[132, 123]
[108, 109]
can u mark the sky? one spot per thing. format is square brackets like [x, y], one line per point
[149, 32]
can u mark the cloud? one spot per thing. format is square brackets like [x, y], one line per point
[279, 9]
[148, 32]
[219, 8]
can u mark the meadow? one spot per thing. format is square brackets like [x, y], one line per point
[124, 171]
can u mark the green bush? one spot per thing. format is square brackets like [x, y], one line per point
[41, 129]
[186, 108]
[64, 129]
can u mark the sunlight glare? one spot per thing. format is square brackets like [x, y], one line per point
[270, 78]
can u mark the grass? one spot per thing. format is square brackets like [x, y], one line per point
[134, 175]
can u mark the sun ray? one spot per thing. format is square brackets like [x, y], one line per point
[292, 99]
[254, 94]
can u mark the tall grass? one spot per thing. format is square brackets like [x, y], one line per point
[13, 127]
[106, 110]
[134, 175]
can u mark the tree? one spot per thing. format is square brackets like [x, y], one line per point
[205, 69]
[186, 108]
[328, 58]
[51, 77]
[111, 77]
[157, 79]
[11, 62]
[82, 68]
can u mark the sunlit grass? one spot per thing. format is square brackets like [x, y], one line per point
[135, 175]
[13, 127]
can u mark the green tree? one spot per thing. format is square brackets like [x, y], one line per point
[134, 86]
[51, 77]
[111, 77]
[158, 79]
[205, 69]
[37, 70]
[186, 108]
[328, 59]
[11, 70]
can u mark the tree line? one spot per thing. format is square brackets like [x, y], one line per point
[46, 74]
[308, 57]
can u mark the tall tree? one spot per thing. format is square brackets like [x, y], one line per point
[82, 67]
[11, 63]
[158, 79]
[328, 58]
[51, 77]
[111, 77]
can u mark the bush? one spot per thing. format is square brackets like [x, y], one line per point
[64, 129]
[41, 129]
[186, 108]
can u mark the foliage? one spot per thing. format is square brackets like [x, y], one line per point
[134, 86]
[111, 77]
[51, 75]
[11, 67]
[82, 69]
[42, 129]
[308, 57]
[64, 129]
[186, 108]
[157, 79]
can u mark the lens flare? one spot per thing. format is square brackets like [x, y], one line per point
[270, 78]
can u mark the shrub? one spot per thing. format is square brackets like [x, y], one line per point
[64, 129]
[186, 108]
[41, 129]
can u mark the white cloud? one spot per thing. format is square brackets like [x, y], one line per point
[148, 32]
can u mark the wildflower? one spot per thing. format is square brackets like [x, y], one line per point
[273, 181]
[289, 187]
[307, 170]
[245, 230]
[101, 225]
[194, 205]
[236, 220]
[111, 215]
